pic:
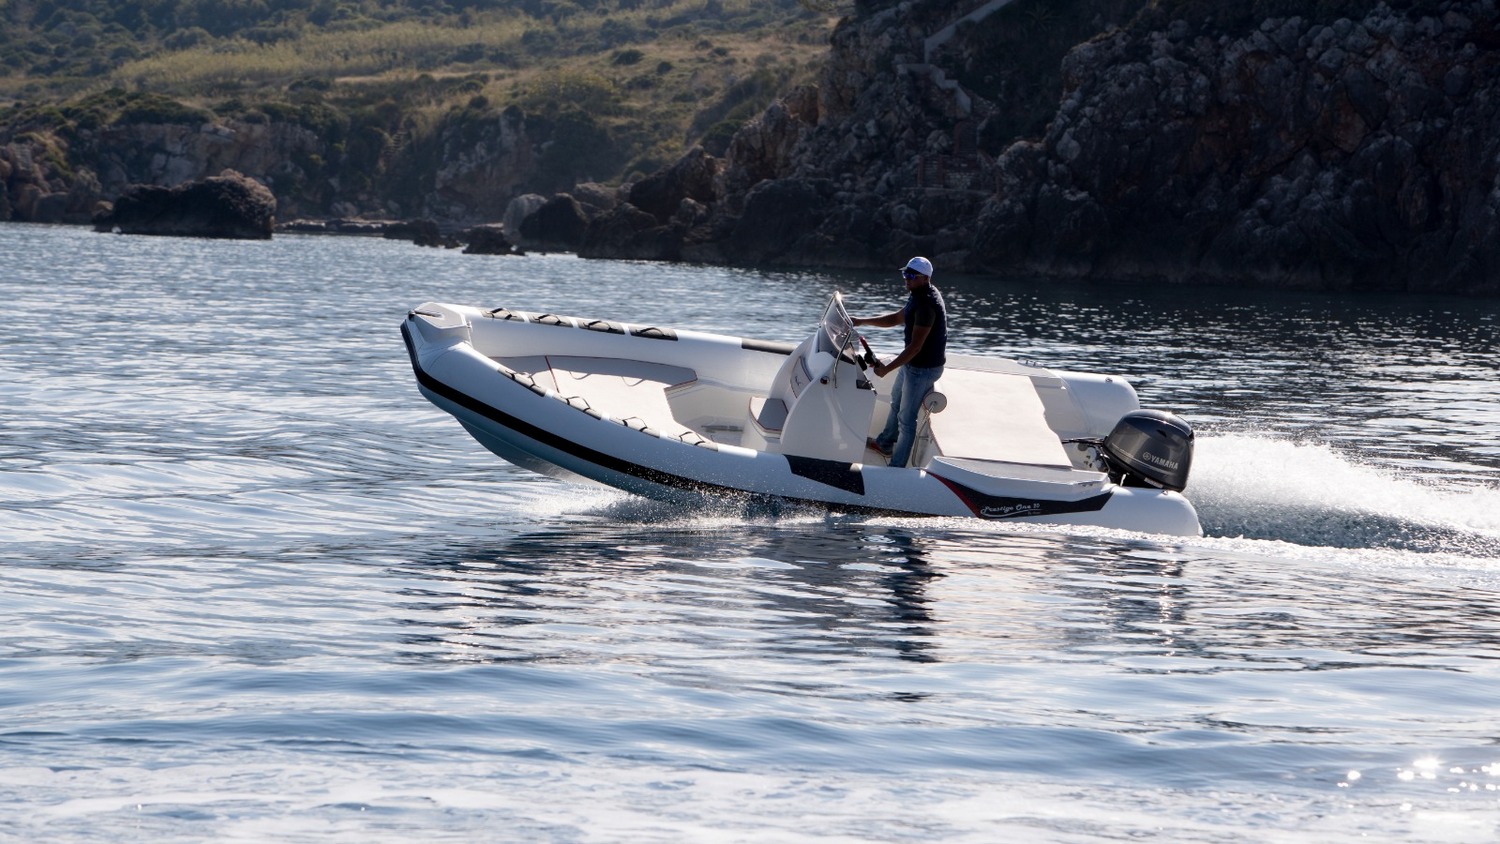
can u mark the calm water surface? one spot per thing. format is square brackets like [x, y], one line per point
[254, 587]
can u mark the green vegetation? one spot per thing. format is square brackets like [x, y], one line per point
[51, 45]
[625, 84]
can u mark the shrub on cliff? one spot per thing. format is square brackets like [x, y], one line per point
[155, 108]
[407, 100]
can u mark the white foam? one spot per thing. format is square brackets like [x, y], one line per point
[1313, 494]
[1241, 470]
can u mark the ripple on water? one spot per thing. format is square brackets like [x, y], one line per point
[256, 587]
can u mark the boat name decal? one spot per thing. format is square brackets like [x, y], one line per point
[989, 506]
[1029, 508]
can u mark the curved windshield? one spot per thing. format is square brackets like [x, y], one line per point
[833, 334]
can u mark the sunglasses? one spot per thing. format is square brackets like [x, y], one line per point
[911, 274]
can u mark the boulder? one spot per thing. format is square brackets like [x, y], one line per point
[488, 240]
[50, 208]
[558, 225]
[595, 198]
[630, 233]
[519, 208]
[662, 193]
[229, 205]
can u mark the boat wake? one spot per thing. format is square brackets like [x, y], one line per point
[1257, 497]
[1311, 494]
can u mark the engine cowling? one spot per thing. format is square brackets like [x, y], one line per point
[1152, 445]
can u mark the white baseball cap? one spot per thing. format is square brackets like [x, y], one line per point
[921, 265]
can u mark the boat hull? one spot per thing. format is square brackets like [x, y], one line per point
[538, 429]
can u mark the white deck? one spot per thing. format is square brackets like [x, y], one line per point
[631, 392]
[995, 417]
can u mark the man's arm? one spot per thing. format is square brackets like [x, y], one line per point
[890, 320]
[918, 337]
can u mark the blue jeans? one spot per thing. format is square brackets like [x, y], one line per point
[913, 383]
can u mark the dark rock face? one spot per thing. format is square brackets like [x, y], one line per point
[559, 224]
[488, 240]
[1347, 155]
[628, 232]
[657, 214]
[662, 193]
[1357, 155]
[779, 216]
[225, 206]
[31, 189]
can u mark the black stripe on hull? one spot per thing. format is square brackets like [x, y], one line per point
[834, 473]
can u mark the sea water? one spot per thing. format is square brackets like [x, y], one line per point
[254, 587]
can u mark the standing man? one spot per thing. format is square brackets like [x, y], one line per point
[925, 324]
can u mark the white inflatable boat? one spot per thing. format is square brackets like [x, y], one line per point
[673, 415]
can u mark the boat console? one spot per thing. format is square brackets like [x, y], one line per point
[821, 401]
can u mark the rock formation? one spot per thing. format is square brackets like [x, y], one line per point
[1348, 155]
[1295, 152]
[225, 206]
[557, 225]
[488, 240]
[33, 189]
[316, 165]
[1351, 146]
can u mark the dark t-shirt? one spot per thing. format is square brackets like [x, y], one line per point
[925, 307]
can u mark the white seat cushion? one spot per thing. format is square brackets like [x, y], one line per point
[995, 416]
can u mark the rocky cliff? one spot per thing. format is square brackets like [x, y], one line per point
[1356, 154]
[64, 177]
[59, 168]
[1334, 145]
[1313, 152]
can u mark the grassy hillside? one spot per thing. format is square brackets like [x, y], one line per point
[654, 75]
[61, 45]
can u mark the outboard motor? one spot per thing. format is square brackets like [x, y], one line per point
[1150, 446]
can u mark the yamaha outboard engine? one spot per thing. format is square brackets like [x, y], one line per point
[1149, 446]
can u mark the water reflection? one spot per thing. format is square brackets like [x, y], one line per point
[797, 594]
[1171, 613]
[826, 591]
